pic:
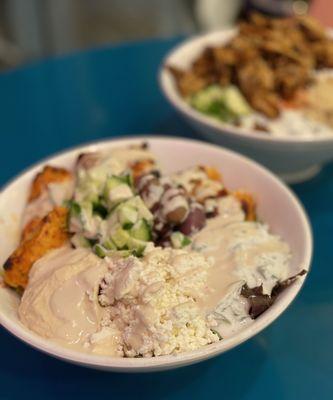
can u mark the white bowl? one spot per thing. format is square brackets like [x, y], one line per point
[276, 205]
[294, 159]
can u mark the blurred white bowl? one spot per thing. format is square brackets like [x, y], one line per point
[276, 205]
[294, 159]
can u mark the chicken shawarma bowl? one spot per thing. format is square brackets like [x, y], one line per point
[262, 88]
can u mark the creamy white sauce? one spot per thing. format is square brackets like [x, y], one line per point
[189, 177]
[37, 208]
[91, 181]
[197, 183]
[54, 195]
[59, 192]
[243, 252]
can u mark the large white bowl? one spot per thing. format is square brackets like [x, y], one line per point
[294, 159]
[276, 205]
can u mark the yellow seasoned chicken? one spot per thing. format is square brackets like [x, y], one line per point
[248, 204]
[47, 234]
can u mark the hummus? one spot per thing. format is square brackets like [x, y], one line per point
[60, 302]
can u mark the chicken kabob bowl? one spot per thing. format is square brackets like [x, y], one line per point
[280, 101]
[276, 205]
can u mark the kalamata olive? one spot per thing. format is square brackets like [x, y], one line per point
[161, 233]
[177, 215]
[144, 182]
[163, 240]
[151, 191]
[155, 208]
[213, 213]
[194, 221]
[174, 205]
[87, 160]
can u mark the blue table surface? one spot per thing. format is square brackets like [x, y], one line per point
[113, 91]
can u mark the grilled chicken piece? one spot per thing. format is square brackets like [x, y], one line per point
[290, 79]
[142, 167]
[256, 81]
[266, 103]
[188, 82]
[255, 76]
[323, 52]
[204, 65]
[312, 29]
[47, 234]
[50, 188]
[44, 178]
[248, 204]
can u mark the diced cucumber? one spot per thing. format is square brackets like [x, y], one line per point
[88, 189]
[138, 252]
[179, 240]
[108, 244]
[120, 238]
[81, 216]
[235, 101]
[123, 253]
[137, 246]
[141, 231]
[127, 214]
[203, 99]
[114, 181]
[117, 194]
[137, 203]
[128, 178]
[100, 251]
[117, 189]
[224, 103]
[219, 110]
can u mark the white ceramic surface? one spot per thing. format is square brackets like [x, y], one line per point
[276, 205]
[293, 159]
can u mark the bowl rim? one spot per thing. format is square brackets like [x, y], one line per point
[168, 361]
[175, 99]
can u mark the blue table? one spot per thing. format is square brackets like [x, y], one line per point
[110, 92]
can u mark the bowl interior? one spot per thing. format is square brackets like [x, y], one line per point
[277, 206]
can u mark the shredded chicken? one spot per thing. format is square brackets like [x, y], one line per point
[270, 60]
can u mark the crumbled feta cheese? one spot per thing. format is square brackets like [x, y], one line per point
[153, 302]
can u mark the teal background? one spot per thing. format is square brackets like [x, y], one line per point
[110, 92]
